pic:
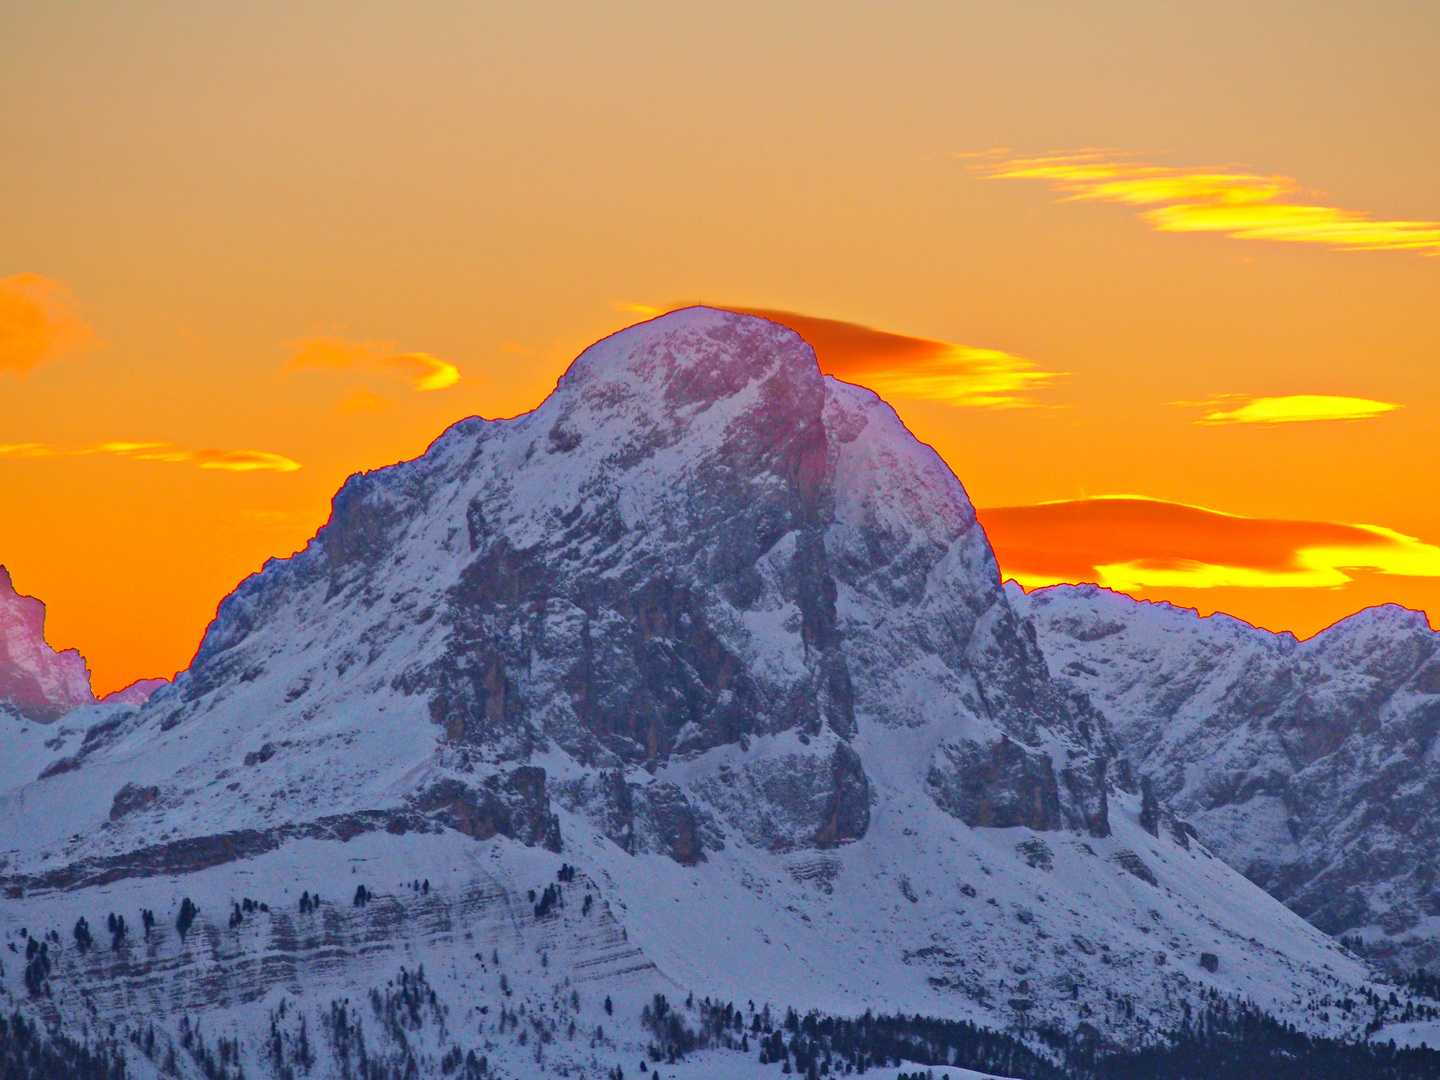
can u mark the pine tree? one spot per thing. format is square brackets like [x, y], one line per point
[1149, 807]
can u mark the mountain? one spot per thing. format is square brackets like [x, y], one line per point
[36, 682]
[137, 693]
[618, 729]
[1309, 765]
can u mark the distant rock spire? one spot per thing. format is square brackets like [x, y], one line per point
[36, 681]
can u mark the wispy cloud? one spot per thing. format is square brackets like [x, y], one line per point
[645, 311]
[421, 370]
[1242, 205]
[1131, 543]
[227, 460]
[361, 399]
[38, 323]
[1291, 409]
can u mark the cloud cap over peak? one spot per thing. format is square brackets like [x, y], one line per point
[901, 365]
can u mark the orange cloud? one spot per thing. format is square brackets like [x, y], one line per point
[38, 322]
[1296, 408]
[421, 370]
[361, 399]
[897, 365]
[1132, 544]
[1242, 205]
[227, 460]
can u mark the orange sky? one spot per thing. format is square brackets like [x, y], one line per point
[246, 250]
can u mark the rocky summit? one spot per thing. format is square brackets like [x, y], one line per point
[617, 731]
[36, 681]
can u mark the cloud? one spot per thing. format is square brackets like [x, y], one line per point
[242, 460]
[361, 399]
[421, 370]
[38, 323]
[1295, 408]
[643, 310]
[424, 371]
[1132, 543]
[227, 460]
[897, 365]
[1241, 205]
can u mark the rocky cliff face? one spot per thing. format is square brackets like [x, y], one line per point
[1311, 765]
[707, 638]
[36, 682]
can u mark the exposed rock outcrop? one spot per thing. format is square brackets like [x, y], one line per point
[36, 682]
[996, 785]
[513, 804]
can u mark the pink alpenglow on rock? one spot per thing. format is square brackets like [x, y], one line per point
[36, 681]
[137, 693]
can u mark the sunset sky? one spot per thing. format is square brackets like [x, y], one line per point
[1160, 282]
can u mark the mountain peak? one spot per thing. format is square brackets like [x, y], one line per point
[697, 353]
[36, 681]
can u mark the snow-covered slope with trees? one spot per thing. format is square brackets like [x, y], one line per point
[1309, 765]
[696, 681]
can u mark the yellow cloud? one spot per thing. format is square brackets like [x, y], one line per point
[424, 371]
[229, 460]
[25, 450]
[38, 322]
[243, 460]
[421, 370]
[1299, 408]
[1242, 205]
[643, 310]
[1132, 543]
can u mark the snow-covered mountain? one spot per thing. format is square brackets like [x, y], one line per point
[1309, 765]
[699, 681]
[36, 682]
[137, 693]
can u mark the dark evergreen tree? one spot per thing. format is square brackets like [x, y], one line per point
[1149, 807]
[183, 921]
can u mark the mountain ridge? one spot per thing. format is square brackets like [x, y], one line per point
[1306, 764]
